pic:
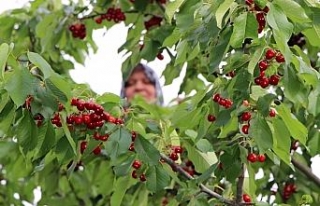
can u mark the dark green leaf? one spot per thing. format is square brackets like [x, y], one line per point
[260, 131]
[118, 143]
[146, 151]
[157, 178]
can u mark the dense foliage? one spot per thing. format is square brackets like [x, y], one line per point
[257, 112]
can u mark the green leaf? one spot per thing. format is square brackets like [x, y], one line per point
[260, 131]
[6, 118]
[182, 50]
[108, 97]
[244, 27]
[222, 10]
[146, 151]
[172, 39]
[314, 101]
[41, 63]
[293, 10]
[202, 161]
[27, 132]
[255, 58]
[46, 139]
[4, 53]
[171, 8]
[119, 187]
[20, 84]
[68, 134]
[157, 178]
[314, 142]
[281, 140]
[59, 87]
[297, 130]
[264, 102]
[118, 143]
[123, 168]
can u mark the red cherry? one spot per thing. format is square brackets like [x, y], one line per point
[264, 82]
[86, 118]
[136, 164]
[78, 120]
[134, 174]
[74, 101]
[245, 129]
[177, 149]
[104, 137]
[263, 65]
[222, 102]
[211, 118]
[249, 2]
[98, 20]
[261, 157]
[257, 80]
[174, 156]
[83, 146]
[270, 53]
[216, 98]
[274, 79]
[97, 150]
[246, 116]
[133, 135]
[143, 178]
[280, 58]
[272, 113]
[246, 198]
[252, 157]
[131, 148]
[160, 56]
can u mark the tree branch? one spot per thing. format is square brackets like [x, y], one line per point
[306, 170]
[240, 185]
[202, 186]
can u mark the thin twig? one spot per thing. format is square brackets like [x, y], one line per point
[306, 170]
[240, 185]
[202, 186]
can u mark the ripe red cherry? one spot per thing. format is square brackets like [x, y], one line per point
[83, 146]
[134, 174]
[294, 145]
[270, 53]
[263, 65]
[245, 129]
[252, 157]
[136, 164]
[177, 149]
[97, 150]
[246, 116]
[246, 198]
[133, 135]
[143, 178]
[280, 58]
[274, 79]
[160, 56]
[174, 156]
[249, 2]
[272, 113]
[261, 157]
[98, 20]
[264, 82]
[257, 80]
[211, 118]
[216, 98]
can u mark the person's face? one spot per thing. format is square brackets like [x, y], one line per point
[138, 83]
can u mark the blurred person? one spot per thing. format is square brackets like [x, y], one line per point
[142, 81]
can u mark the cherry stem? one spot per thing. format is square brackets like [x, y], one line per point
[306, 171]
[202, 186]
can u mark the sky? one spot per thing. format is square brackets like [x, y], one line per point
[102, 70]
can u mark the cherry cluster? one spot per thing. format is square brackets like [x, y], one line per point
[153, 21]
[115, 14]
[175, 150]
[262, 80]
[252, 157]
[137, 165]
[260, 14]
[189, 168]
[288, 190]
[245, 117]
[78, 30]
[226, 103]
[133, 137]
[90, 114]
